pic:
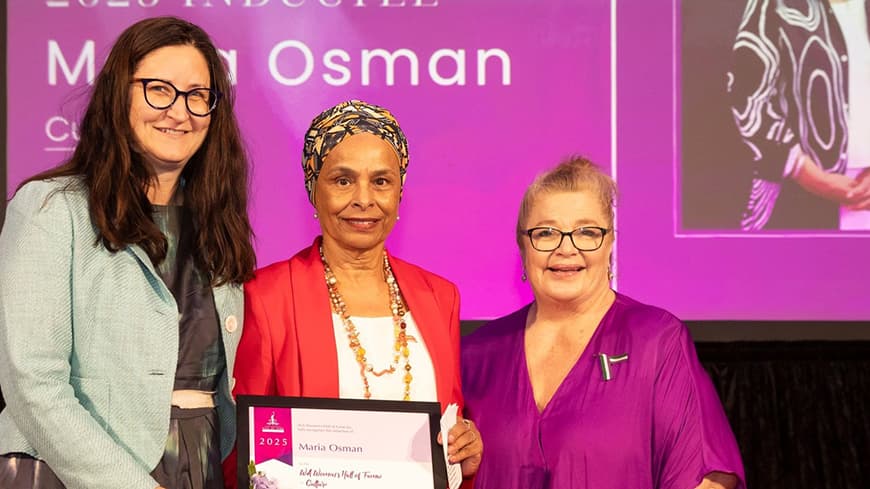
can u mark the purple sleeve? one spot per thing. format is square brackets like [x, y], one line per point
[691, 435]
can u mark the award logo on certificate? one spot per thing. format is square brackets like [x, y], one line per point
[291, 442]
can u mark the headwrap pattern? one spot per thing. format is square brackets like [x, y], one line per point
[346, 119]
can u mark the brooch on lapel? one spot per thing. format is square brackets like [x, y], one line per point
[605, 361]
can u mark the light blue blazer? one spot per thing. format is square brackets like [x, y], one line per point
[89, 345]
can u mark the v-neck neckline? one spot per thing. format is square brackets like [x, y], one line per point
[584, 355]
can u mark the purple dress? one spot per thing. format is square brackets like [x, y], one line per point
[657, 423]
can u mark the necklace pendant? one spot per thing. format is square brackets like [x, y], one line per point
[382, 372]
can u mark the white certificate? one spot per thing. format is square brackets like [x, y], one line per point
[289, 443]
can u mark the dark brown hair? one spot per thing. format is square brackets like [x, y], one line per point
[215, 179]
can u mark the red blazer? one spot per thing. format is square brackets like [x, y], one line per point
[288, 345]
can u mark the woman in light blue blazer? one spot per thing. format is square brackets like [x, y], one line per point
[120, 280]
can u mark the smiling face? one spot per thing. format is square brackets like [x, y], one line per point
[168, 138]
[567, 275]
[357, 193]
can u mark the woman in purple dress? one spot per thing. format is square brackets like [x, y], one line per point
[585, 387]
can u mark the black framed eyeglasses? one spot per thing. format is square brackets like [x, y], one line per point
[586, 238]
[160, 94]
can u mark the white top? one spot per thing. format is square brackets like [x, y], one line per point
[377, 337]
[852, 18]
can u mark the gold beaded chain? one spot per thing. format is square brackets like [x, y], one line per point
[398, 310]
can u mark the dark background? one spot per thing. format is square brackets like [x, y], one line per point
[716, 166]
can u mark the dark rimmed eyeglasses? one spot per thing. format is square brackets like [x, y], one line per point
[160, 94]
[586, 238]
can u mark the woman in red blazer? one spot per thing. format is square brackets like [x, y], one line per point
[344, 318]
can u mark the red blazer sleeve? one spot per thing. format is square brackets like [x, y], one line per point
[454, 332]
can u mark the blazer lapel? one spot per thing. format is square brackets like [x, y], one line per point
[150, 273]
[229, 303]
[430, 320]
[222, 297]
[318, 358]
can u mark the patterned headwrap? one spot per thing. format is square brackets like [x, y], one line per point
[346, 119]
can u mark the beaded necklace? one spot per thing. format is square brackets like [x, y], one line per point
[398, 309]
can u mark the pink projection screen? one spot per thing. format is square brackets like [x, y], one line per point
[489, 92]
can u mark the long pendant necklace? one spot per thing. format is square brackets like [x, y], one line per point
[400, 343]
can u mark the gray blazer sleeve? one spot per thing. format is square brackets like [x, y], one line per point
[36, 275]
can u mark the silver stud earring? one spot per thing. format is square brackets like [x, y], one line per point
[609, 273]
[398, 217]
[523, 277]
[315, 215]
